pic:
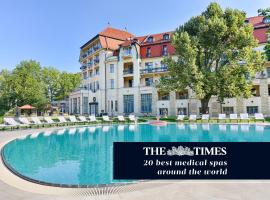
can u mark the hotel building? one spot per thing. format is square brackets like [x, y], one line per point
[119, 72]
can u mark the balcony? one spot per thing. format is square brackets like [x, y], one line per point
[128, 71]
[154, 70]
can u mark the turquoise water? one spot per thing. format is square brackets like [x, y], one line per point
[83, 156]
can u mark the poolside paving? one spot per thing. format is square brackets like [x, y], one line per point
[13, 188]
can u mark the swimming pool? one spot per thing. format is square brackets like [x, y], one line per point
[83, 156]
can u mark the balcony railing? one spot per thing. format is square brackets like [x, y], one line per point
[154, 70]
[128, 71]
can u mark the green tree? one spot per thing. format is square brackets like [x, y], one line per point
[215, 56]
[28, 85]
[266, 13]
[68, 82]
[51, 77]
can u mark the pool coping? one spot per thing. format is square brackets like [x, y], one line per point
[35, 187]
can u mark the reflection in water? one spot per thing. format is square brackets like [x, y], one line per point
[84, 155]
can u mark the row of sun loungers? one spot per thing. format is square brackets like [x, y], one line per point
[36, 121]
[223, 117]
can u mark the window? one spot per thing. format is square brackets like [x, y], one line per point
[97, 85]
[116, 106]
[164, 50]
[149, 66]
[111, 68]
[85, 75]
[85, 105]
[166, 37]
[150, 39]
[163, 96]
[112, 83]
[252, 109]
[228, 110]
[182, 111]
[266, 20]
[268, 72]
[148, 52]
[74, 106]
[269, 90]
[149, 81]
[127, 51]
[130, 83]
[91, 73]
[111, 105]
[182, 95]
[79, 105]
[255, 91]
[146, 103]
[97, 71]
[128, 103]
[163, 111]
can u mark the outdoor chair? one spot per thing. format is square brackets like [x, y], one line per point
[259, 116]
[233, 117]
[205, 117]
[244, 117]
[222, 117]
[121, 118]
[180, 118]
[193, 118]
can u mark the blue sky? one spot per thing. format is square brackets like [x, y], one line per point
[52, 31]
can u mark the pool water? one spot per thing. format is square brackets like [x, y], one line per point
[83, 156]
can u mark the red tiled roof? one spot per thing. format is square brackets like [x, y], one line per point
[116, 33]
[260, 29]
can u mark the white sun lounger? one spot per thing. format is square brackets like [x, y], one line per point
[62, 119]
[192, 117]
[36, 121]
[93, 118]
[180, 117]
[12, 123]
[244, 116]
[221, 117]
[205, 117]
[49, 120]
[132, 118]
[82, 119]
[106, 118]
[121, 118]
[73, 119]
[259, 116]
[233, 117]
[25, 121]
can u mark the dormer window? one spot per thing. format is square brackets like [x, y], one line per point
[166, 36]
[246, 21]
[150, 39]
[266, 20]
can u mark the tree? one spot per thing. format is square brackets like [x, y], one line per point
[215, 56]
[28, 85]
[266, 13]
[68, 82]
[51, 77]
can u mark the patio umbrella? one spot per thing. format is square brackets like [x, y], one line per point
[26, 107]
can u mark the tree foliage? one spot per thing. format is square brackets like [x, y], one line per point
[266, 13]
[215, 56]
[29, 83]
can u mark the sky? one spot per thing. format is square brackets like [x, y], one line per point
[52, 31]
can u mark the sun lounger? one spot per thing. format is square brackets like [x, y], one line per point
[73, 119]
[132, 118]
[222, 117]
[83, 119]
[12, 123]
[259, 116]
[25, 121]
[192, 117]
[37, 121]
[180, 118]
[50, 121]
[62, 120]
[244, 116]
[205, 117]
[233, 117]
[106, 118]
[121, 118]
[93, 118]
